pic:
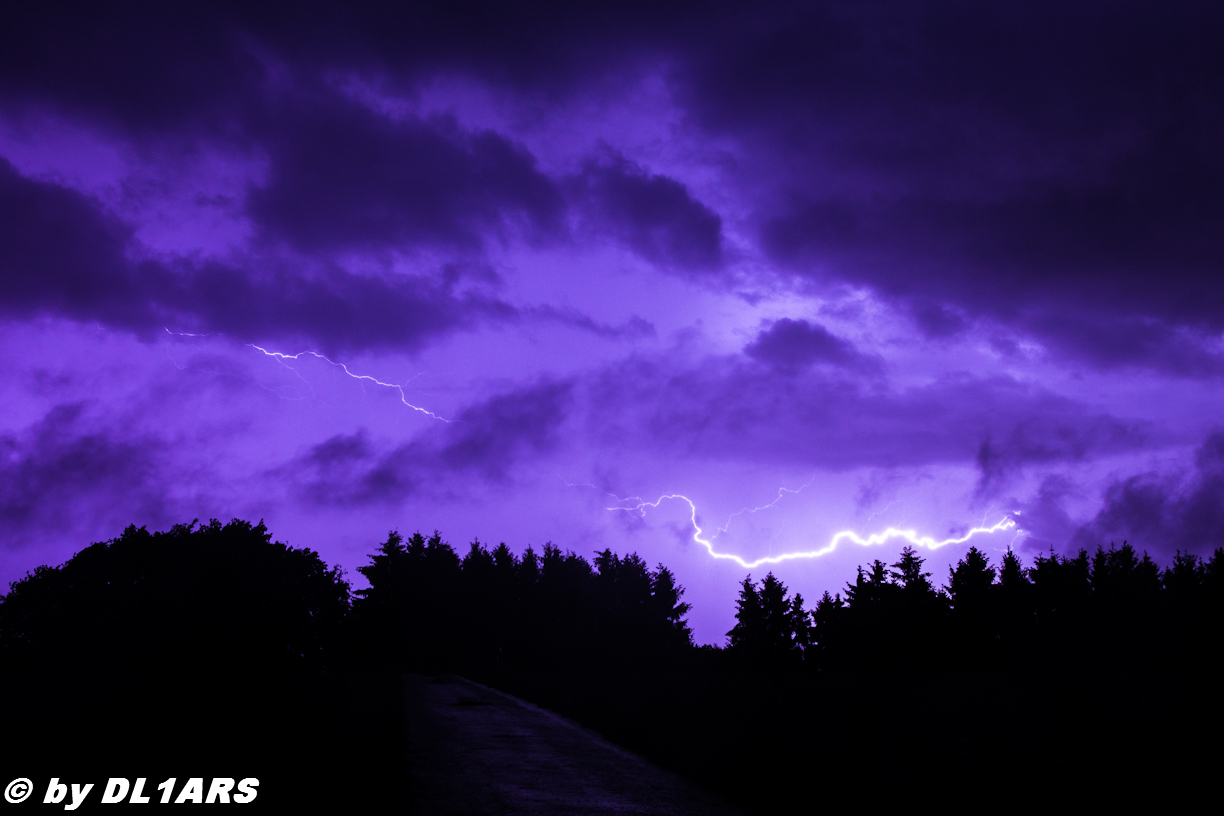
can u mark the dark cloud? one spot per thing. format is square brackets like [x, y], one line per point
[1043, 517]
[490, 435]
[937, 320]
[994, 260]
[61, 256]
[345, 470]
[635, 327]
[1163, 513]
[1048, 438]
[331, 309]
[144, 66]
[1126, 341]
[486, 440]
[653, 215]
[343, 176]
[153, 68]
[1014, 160]
[792, 345]
[62, 474]
[725, 409]
[1040, 164]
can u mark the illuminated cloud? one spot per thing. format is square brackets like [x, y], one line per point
[969, 254]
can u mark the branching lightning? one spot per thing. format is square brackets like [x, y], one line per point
[881, 537]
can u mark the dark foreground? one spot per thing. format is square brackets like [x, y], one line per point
[962, 740]
[375, 742]
[476, 750]
[380, 742]
[313, 742]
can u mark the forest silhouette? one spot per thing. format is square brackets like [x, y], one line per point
[165, 599]
[428, 609]
[218, 616]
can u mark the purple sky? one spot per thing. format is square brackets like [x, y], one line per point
[920, 265]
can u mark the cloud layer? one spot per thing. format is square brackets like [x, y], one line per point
[966, 255]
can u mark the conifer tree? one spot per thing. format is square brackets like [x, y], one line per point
[772, 629]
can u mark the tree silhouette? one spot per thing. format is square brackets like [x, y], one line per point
[668, 610]
[969, 582]
[191, 598]
[1125, 590]
[427, 609]
[1062, 594]
[771, 628]
[907, 573]
[828, 631]
[1016, 616]
[164, 599]
[974, 609]
[870, 589]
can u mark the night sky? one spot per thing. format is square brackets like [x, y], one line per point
[500, 270]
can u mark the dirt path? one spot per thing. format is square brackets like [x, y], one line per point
[474, 750]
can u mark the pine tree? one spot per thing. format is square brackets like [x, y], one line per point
[667, 608]
[970, 581]
[748, 633]
[974, 624]
[772, 629]
[907, 573]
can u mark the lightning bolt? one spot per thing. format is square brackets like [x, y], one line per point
[845, 535]
[281, 357]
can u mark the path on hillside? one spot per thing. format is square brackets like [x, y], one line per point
[474, 750]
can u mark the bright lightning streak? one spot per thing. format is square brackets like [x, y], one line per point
[845, 535]
[281, 357]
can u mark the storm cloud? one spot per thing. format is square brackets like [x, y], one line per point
[62, 473]
[967, 254]
[485, 441]
[61, 256]
[795, 344]
[1166, 512]
[343, 176]
[724, 409]
[1026, 167]
[655, 216]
